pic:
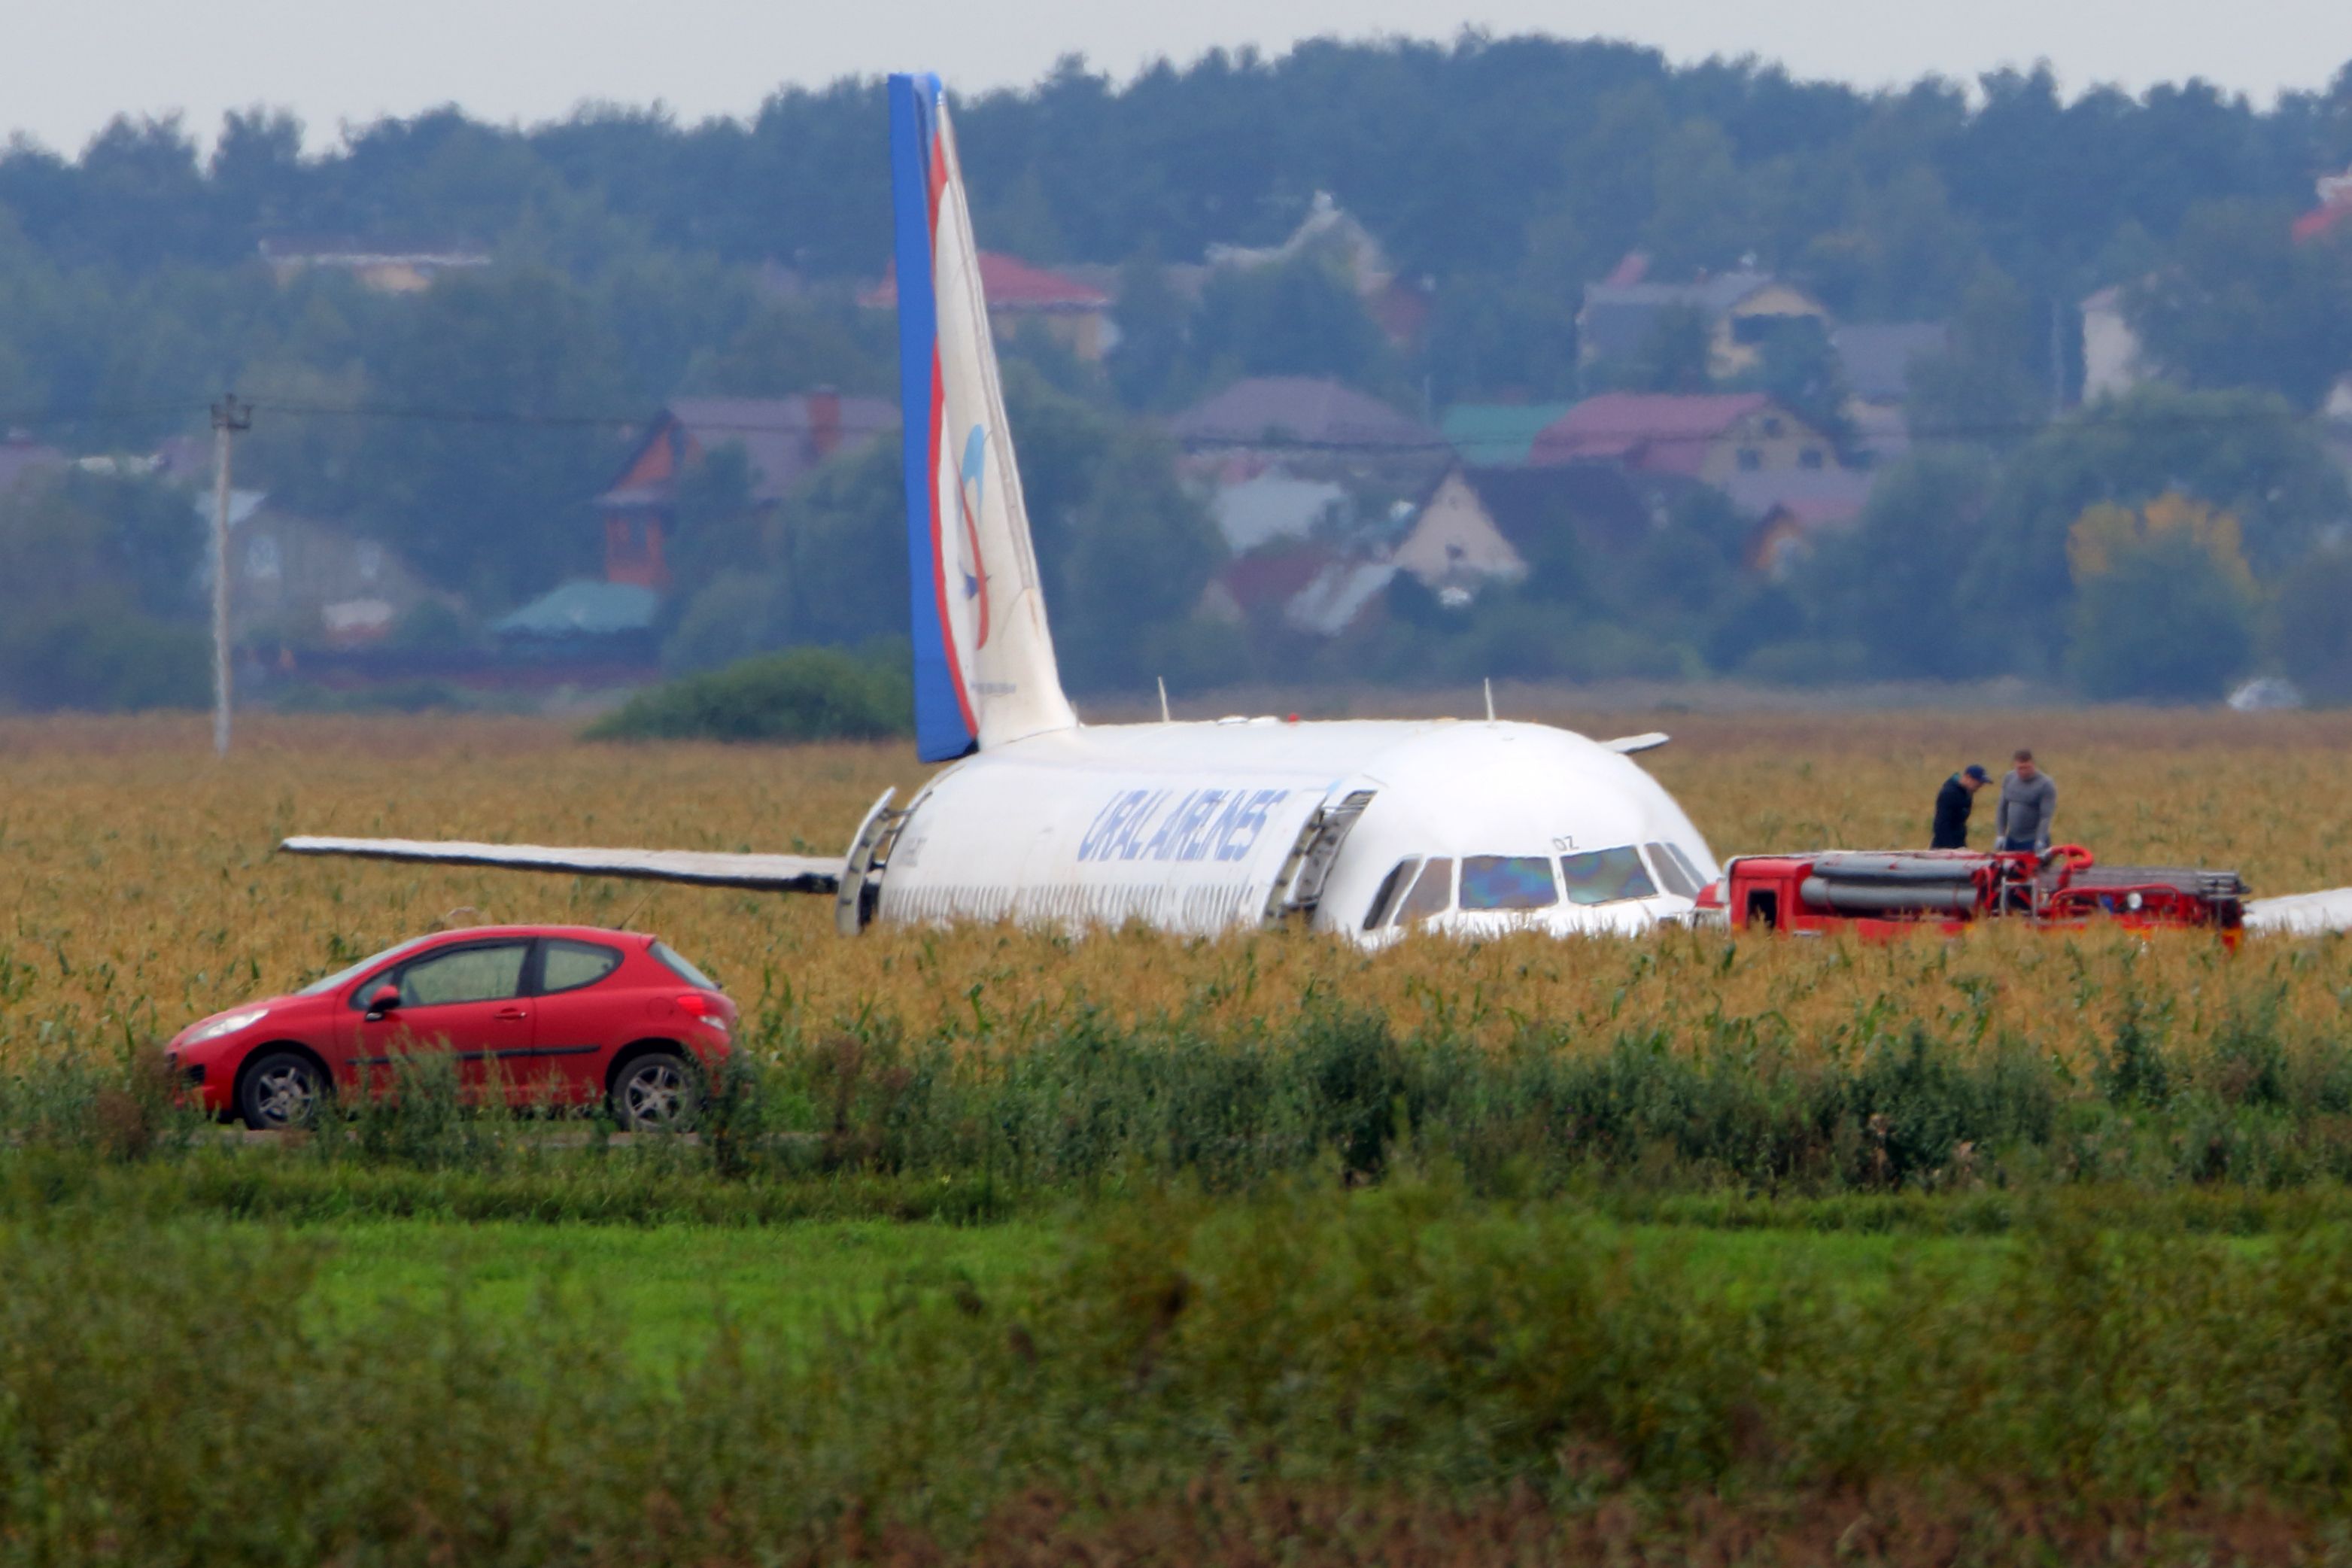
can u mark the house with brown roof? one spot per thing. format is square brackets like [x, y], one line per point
[1308, 428]
[1074, 313]
[1743, 311]
[1789, 510]
[1306, 587]
[1485, 525]
[1707, 437]
[781, 439]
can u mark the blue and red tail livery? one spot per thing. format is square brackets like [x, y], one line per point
[984, 668]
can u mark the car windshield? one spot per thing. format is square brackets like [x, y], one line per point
[341, 976]
[1605, 875]
[1509, 882]
[678, 966]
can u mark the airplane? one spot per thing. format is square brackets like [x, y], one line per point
[1364, 827]
[1367, 828]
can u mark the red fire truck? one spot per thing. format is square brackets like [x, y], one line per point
[1888, 892]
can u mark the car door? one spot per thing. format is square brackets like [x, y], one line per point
[585, 1010]
[467, 999]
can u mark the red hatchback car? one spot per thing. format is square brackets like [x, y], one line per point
[562, 1014]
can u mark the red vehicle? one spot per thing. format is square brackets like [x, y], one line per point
[549, 1015]
[1888, 892]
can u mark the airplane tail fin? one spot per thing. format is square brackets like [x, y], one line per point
[984, 668]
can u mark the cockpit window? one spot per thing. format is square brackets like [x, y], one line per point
[1509, 882]
[1433, 893]
[1606, 875]
[1673, 870]
[1391, 885]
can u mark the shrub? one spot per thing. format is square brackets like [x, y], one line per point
[804, 694]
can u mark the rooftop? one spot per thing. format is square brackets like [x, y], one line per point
[1665, 431]
[1302, 411]
[782, 438]
[583, 607]
[1497, 434]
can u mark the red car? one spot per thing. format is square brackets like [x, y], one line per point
[564, 1014]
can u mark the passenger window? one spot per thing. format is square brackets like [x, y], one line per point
[1509, 882]
[468, 974]
[1396, 882]
[1606, 875]
[569, 965]
[1676, 874]
[1433, 893]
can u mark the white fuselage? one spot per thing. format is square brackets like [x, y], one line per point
[1191, 827]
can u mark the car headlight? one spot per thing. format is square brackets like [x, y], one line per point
[226, 1024]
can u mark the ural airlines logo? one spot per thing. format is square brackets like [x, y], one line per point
[972, 568]
[1162, 824]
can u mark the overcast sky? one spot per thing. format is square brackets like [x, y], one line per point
[68, 66]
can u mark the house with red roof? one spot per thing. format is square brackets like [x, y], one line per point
[2334, 213]
[1707, 437]
[1075, 314]
[781, 439]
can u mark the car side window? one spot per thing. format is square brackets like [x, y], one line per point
[467, 974]
[571, 966]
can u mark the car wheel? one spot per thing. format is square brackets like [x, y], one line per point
[283, 1089]
[657, 1092]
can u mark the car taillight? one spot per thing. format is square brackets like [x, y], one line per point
[702, 1006]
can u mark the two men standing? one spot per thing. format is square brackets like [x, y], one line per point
[2028, 805]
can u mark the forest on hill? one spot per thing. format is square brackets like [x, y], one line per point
[631, 257]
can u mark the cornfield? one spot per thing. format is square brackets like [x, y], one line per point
[141, 888]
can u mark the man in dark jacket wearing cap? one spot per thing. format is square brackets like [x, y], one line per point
[1953, 803]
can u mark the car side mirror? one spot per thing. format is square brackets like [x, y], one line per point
[385, 999]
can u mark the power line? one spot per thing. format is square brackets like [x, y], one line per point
[2092, 419]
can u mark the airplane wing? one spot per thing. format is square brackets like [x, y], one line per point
[2301, 914]
[706, 869]
[1650, 741]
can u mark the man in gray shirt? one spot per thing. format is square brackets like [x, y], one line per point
[2029, 803]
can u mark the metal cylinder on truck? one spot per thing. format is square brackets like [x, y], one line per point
[1848, 897]
[1886, 871]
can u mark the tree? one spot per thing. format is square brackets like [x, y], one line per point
[2315, 625]
[1673, 355]
[1122, 546]
[1992, 384]
[498, 386]
[100, 573]
[2240, 452]
[1293, 318]
[2162, 620]
[2242, 304]
[1888, 585]
[1155, 331]
[1798, 368]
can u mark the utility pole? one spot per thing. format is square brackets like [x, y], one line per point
[229, 416]
[2057, 358]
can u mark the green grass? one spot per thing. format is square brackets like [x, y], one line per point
[666, 1290]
